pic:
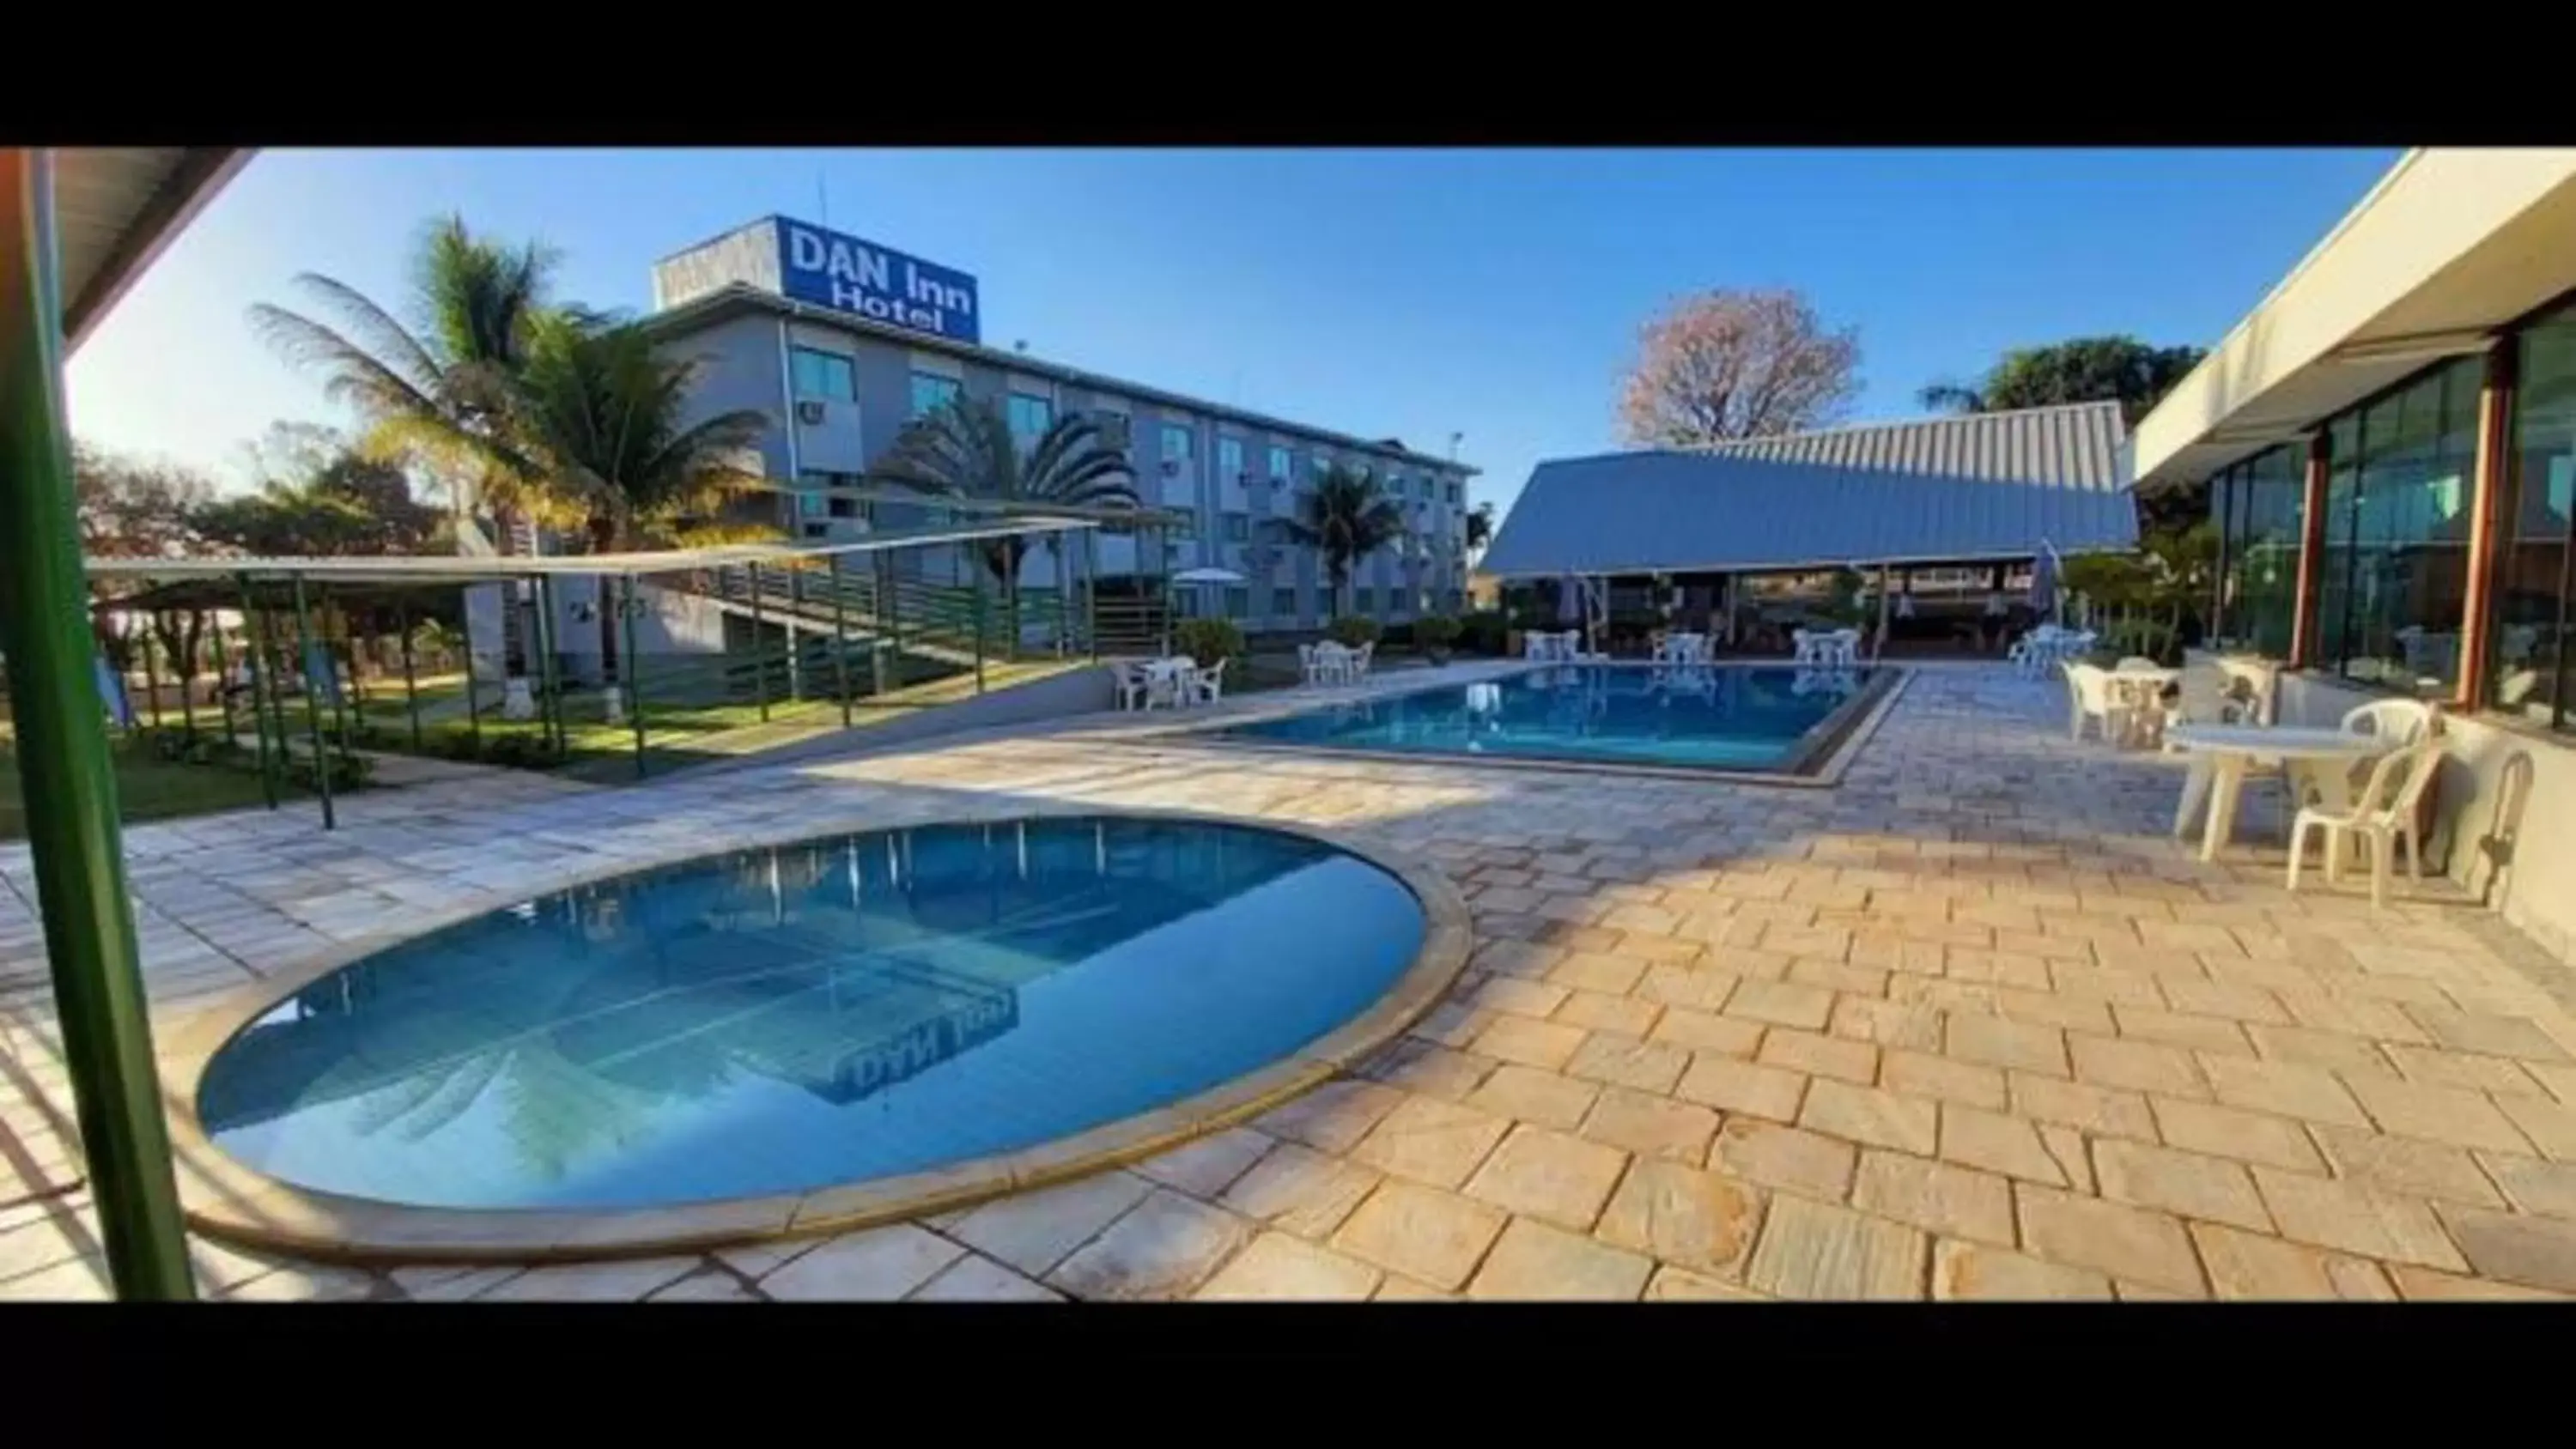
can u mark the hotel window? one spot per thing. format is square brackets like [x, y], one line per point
[1364, 600]
[931, 392]
[1114, 430]
[2261, 505]
[1238, 603]
[1238, 528]
[1453, 492]
[1176, 443]
[2393, 578]
[823, 374]
[1283, 603]
[1318, 465]
[1279, 470]
[1229, 459]
[1029, 417]
[2533, 603]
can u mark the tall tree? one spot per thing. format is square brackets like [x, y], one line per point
[964, 449]
[2082, 369]
[130, 508]
[322, 497]
[1480, 527]
[1346, 517]
[1737, 364]
[437, 392]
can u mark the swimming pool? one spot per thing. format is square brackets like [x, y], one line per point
[838, 1010]
[1725, 717]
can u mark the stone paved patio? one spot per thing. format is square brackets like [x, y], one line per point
[1968, 1026]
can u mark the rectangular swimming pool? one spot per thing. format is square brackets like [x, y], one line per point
[1746, 718]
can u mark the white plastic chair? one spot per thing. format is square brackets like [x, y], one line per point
[1314, 666]
[1358, 661]
[2383, 815]
[2405, 720]
[1135, 686]
[2089, 692]
[1204, 686]
[2136, 661]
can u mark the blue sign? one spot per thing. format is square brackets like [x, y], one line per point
[830, 269]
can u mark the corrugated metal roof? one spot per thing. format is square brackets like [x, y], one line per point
[1985, 486]
[115, 208]
[2076, 446]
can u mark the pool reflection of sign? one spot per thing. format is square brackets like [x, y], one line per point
[835, 270]
[985, 1014]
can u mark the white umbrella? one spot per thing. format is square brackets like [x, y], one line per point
[1207, 576]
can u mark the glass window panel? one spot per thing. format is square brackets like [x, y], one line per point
[1229, 458]
[1238, 527]
[823, 374]
[1238, 603]
[1279, 469]
[1176, 442]
[931, 392]
[2531, 655]
[1364, 599]
[1029, 417]
[1283, 603]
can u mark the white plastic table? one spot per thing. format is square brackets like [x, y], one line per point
[2221, 755]
[2141, 693]
[1164, 678]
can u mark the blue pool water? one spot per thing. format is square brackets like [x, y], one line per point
[1725, 718]
[841, 1009]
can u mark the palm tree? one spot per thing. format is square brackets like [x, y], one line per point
[1480, 527]
[964, 449]
[599, 409]
[1348, 518]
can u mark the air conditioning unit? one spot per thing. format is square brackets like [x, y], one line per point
[809, 413]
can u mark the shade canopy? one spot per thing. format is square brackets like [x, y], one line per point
[1207, 576]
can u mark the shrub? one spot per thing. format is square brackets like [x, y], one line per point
[1486, 631]
[1208, 640]
[1397, 636]
[1436, 632]
[1353, 630]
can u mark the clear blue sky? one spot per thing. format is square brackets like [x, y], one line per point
[1384, 293]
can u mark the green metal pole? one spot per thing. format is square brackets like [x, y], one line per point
[223, 671]
[254, 647]
[549, 711]
[312, 706]
[341, 701]
[759, 651]
[977, 569]
[411, 677]
[64, 768]
[187, 677]
[633, 667]
[151, 679]
[794, 656]
[473, 706]
[840, 642]
[1091, 590]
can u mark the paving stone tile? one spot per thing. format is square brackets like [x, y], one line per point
[2476, 1031]
[2535, 1251]
[2138, 1066]
[1702, 1220]
[1823, 1056]
[2286, 1089]
[1534, 1261]
[1548, 1175]
[974, 1279]
[873, 1264]
[2423, 1285]
[1680, 1285]
[325, 1283]
[2406, 1167]
[1431, 1141]
[1279, 1267]
[2433, 1067]
[1531, 1095]
[1299, 1190]
[1434, 1237]
[2246, 1265]
[1203, 1168]
[2551, 1128]
[1782, 1003]
[1741, 1087]
[2234, 1132]
[2200, 1033]
[1997, 1143]
[1594, 971]
[1973, 1271]
[1917, 1074]
[1784, 1157]
[1629, 1016]
[2126, 1242]
[1691, 988]
[1542, 1044]
[1651, 1126]
[1869, 1115]
[1701, 1031]
[2232, 1003]
[1625, 1061]
[1336, 1115]
[2535, 1186]
[1993, 1041]
[1934, 1196]
[1033, 1231]
[1886, 1023]
[1816, 1251]
[1513, 996]
[2188, 1183]
[2436, 1114]
[1164, 1247]
[2355, 1219]
[1433, 1070]
[2105, 1110]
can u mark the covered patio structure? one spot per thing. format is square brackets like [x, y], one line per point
[1941, 518]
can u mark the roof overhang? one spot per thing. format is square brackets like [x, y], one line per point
[2450, 246]
[115, 209]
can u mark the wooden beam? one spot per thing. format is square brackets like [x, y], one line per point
[2486, 502]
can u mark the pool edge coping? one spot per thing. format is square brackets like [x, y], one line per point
[238, 1204]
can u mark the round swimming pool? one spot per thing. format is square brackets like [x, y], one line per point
[837, 1010]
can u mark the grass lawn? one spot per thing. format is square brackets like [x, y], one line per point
[147, 787]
